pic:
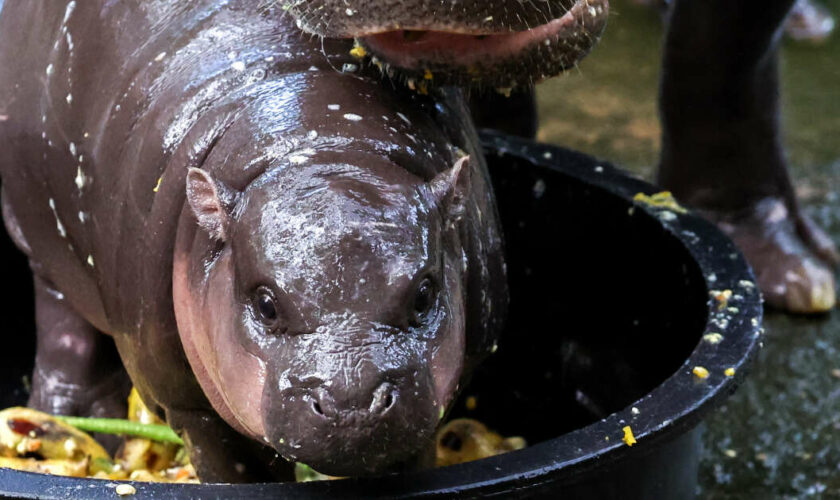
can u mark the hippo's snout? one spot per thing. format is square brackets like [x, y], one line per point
[483, 43]
[354, 427]
[324, 405]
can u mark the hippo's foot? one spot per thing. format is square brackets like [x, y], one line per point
[52, 394]
[809, 21]
[77, 369]
[792, 258]
[222, 455]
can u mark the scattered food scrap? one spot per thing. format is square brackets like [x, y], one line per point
[663, 199]
[629, 439]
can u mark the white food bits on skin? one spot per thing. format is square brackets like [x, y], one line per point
[50, 69]
[238, 66]
[90, 260]
[71, 6]
[352, 117]
[312, 135]
[301, 156]
[81, 179]
[404, 118]
[159, 57]
[59, 226]
[69, 98]
[349, 12]
[333, 107]
[72, 148]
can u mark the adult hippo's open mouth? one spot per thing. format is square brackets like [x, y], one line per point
[495, 43]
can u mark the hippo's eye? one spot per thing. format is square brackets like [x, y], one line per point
[265, 306]
[424, 300]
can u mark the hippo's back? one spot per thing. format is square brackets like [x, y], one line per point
[100, 99]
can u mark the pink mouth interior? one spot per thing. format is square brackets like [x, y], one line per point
[407, 49]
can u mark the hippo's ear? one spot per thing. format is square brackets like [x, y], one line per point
[450, 189]
[206, 204]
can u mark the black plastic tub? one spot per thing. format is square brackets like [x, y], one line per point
[614, 303]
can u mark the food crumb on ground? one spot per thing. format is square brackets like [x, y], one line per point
[700, 372]
[730, 372]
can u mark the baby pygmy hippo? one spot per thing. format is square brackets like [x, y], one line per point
[291, 257]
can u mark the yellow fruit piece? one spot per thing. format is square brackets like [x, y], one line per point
[662, 199]
[629, 439]
[464, 440]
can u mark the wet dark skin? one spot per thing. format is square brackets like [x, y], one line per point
[721, 145]
[294, 263]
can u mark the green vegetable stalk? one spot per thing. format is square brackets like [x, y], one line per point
[155, 432]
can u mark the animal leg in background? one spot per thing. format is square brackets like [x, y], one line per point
[722, 151]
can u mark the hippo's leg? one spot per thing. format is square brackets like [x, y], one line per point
[222, 455]
[77, 368]
[722, 150]
[515, 114]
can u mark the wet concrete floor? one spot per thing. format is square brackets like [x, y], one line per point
[779, 435]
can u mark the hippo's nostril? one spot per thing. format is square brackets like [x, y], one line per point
[384, 398]
[316, 407]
